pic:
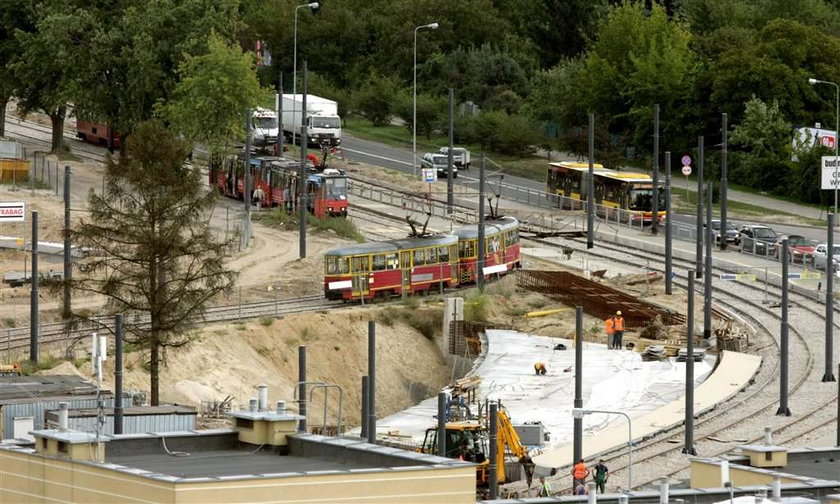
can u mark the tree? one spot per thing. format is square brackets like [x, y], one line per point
[156, 251]
[375, 98]
[13, 17]
[765, 140]
[213, 91]
[44, 79]
[430, 112]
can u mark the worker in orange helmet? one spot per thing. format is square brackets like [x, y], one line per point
[618, 330]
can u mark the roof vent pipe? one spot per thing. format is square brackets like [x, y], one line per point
[592, 495]
[663, 491]
[777, 489]
[263, 397]
[63, 415]
[623, 499]
[253, 404]
[281, 407]
[768, 436]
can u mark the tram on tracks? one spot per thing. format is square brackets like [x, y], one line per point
[623, 195]
[96, 133]
[276, 182]
[420, 265]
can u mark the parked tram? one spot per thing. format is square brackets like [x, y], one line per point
[275, 182]
[616, 193]
[96, 133]
[419, 265]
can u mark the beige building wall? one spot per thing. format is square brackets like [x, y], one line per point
[31, 478]
[705, 474]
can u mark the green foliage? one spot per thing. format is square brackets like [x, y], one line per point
[375, 99]
[476, 308]
[159, 253]
[764, 136]
[343, 227]
[498, 131]
[214, 89]
[267, 321]
[431, 111]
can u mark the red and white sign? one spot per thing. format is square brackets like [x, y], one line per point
[12, 211]
[827, 141]
[686, 170]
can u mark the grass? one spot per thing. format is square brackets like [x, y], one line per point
[427, 322]
[46, 362]
[476, 308]
[683, 205]
[342, 227]
[267, 321]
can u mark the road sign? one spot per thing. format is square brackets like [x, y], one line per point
[686, 160]
[811, 275]
[739, 276]
[686, 170]
[429, 175]
[794, 276]
[12, 211]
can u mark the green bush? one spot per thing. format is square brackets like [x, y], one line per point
[476, 307]
[267, 321]
[341, 226]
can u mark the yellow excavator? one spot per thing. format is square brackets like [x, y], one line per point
[469, 440]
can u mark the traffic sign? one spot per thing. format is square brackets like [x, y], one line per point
[686, 170]
[739, 276]
[429, 175]
[811, 275]
[686, 160]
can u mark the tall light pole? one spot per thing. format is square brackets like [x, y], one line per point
[430, 26]
[313, 5]
[812, 82]
[580, 412]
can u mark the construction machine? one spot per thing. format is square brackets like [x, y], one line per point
[469, 440]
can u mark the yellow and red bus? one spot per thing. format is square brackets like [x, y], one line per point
[617, 194]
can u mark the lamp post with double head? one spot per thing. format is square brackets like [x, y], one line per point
[430, 26]
[580, 413]
[813, 82]
[313, 5]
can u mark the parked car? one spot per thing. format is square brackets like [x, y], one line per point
[799, 248]
[757, 239]
[440, 162]
[732, 235]
[820, 256]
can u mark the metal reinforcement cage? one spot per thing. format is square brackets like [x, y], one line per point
[597, 299]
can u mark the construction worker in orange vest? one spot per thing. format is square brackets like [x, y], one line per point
[609, 327]
[579, 473]
[618, 330]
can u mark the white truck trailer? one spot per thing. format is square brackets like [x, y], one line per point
[323, 125]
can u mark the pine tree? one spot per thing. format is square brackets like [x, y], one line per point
[154, 249]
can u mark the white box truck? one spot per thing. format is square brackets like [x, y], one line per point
[323, 125]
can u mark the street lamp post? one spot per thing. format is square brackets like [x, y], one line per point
[313, 5]
[430, 26]
[812, 82]
[580, 413]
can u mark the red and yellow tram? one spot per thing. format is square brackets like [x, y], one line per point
[501, 244]
[275, 182]
[419, 265]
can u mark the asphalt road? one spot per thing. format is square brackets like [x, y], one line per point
[397, 158]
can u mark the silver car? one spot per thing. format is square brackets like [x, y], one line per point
[820, 255]
[439, 162]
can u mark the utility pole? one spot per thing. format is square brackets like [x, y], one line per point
[724, 182]
[280, 116]
[688, 447]
[590, 188]
[783, 337]
[34, 320]
[669, 263]
[654, 222]
[68, 269]
[699, 257]
[245, 240]
[481, 253]
[304, 142]
[829, 302]
[707, 280]
[450, 197]
[577, 437]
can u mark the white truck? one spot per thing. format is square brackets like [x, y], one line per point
[323, 125]
[263, 127]
[460, 157]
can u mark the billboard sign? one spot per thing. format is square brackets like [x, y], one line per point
[12, 211]
[830, 172]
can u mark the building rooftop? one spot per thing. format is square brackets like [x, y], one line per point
[26, 388]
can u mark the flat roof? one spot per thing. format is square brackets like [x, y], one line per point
[33, 388]
[234, 462]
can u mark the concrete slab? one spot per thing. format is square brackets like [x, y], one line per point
[732, 374]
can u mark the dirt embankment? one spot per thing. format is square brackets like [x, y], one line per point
[232, 359]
